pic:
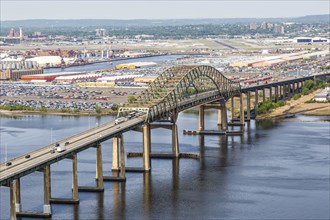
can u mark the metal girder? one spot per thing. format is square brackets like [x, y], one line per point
[165, 96]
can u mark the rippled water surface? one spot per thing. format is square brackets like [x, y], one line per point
[275, 171]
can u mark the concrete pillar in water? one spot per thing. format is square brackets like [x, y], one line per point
[18, 196]
[219, 116]
[224, 119]
[12, 201]
[47, 207]
[201, 121]
[175, 140]
[75, 195]
[115, 155]
[232, 108]
[241, 109]
[146, 147]
[248, 105]
[122, 157]
[99, 167]
[256, 102]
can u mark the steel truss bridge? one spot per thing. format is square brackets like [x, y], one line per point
[179, 88]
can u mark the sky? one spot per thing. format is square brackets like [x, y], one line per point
[154, 9]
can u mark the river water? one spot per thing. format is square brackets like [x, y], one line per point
[277, 170]
[112, 64]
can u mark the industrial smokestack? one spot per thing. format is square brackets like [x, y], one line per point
[20, 33]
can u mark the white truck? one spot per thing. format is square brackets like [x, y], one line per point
[119, 120]
[60, 147]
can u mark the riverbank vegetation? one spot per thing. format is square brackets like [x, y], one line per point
[299, 103]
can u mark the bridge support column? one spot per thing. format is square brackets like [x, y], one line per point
[146, 147]
[118, 155]
[248, 105]
[294, 87]
[99, 173]
[175, 141]
[18, 205]
[47, 207]
[256, 103]
[219, 116]
[115, 155]
[75, 195]
[270, 94]
[224, 119]
[122, 159]
[12, 201]
[201, 120]
[99, 167]
[284, 91]
[263, 95]
[232, 108]
[241, 109]
[276, 93]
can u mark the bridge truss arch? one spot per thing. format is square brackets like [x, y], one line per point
[179, 88]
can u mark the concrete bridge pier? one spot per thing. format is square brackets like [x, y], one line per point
[75, 194]
[284, 91]
[224, 118]
[263, 95]
[270, 94]
[15, 199]
[276, 93]
[241, 108]
[12, 201]
[18, 206]
[175, 141]
[256, 103]
[146, 147]
[294, 87]
[118, 161]
[115, 154]
[232, 108]
[99, 168]
[47, 207]
[201, 120]
[248, 106]
[99, 173]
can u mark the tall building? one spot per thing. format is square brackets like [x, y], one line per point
[279, 29]
[100, 32]
[253, 26]
[20, 33]
[13, 33]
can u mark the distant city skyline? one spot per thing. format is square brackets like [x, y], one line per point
[86, 9]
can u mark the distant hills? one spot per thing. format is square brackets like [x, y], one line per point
[325, 18]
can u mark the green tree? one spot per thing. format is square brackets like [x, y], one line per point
[131, 99]
[98, 109]
[328, 79]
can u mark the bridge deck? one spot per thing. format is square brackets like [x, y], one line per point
[43, 156]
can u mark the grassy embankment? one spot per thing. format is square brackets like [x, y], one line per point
[298, 103]
[22, 109]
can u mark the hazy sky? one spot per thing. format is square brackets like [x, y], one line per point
[63, 9]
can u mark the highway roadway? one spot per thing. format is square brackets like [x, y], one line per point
[22, 166]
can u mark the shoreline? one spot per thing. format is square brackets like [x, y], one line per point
[299, 106]
[23, 113]
[291, 108]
